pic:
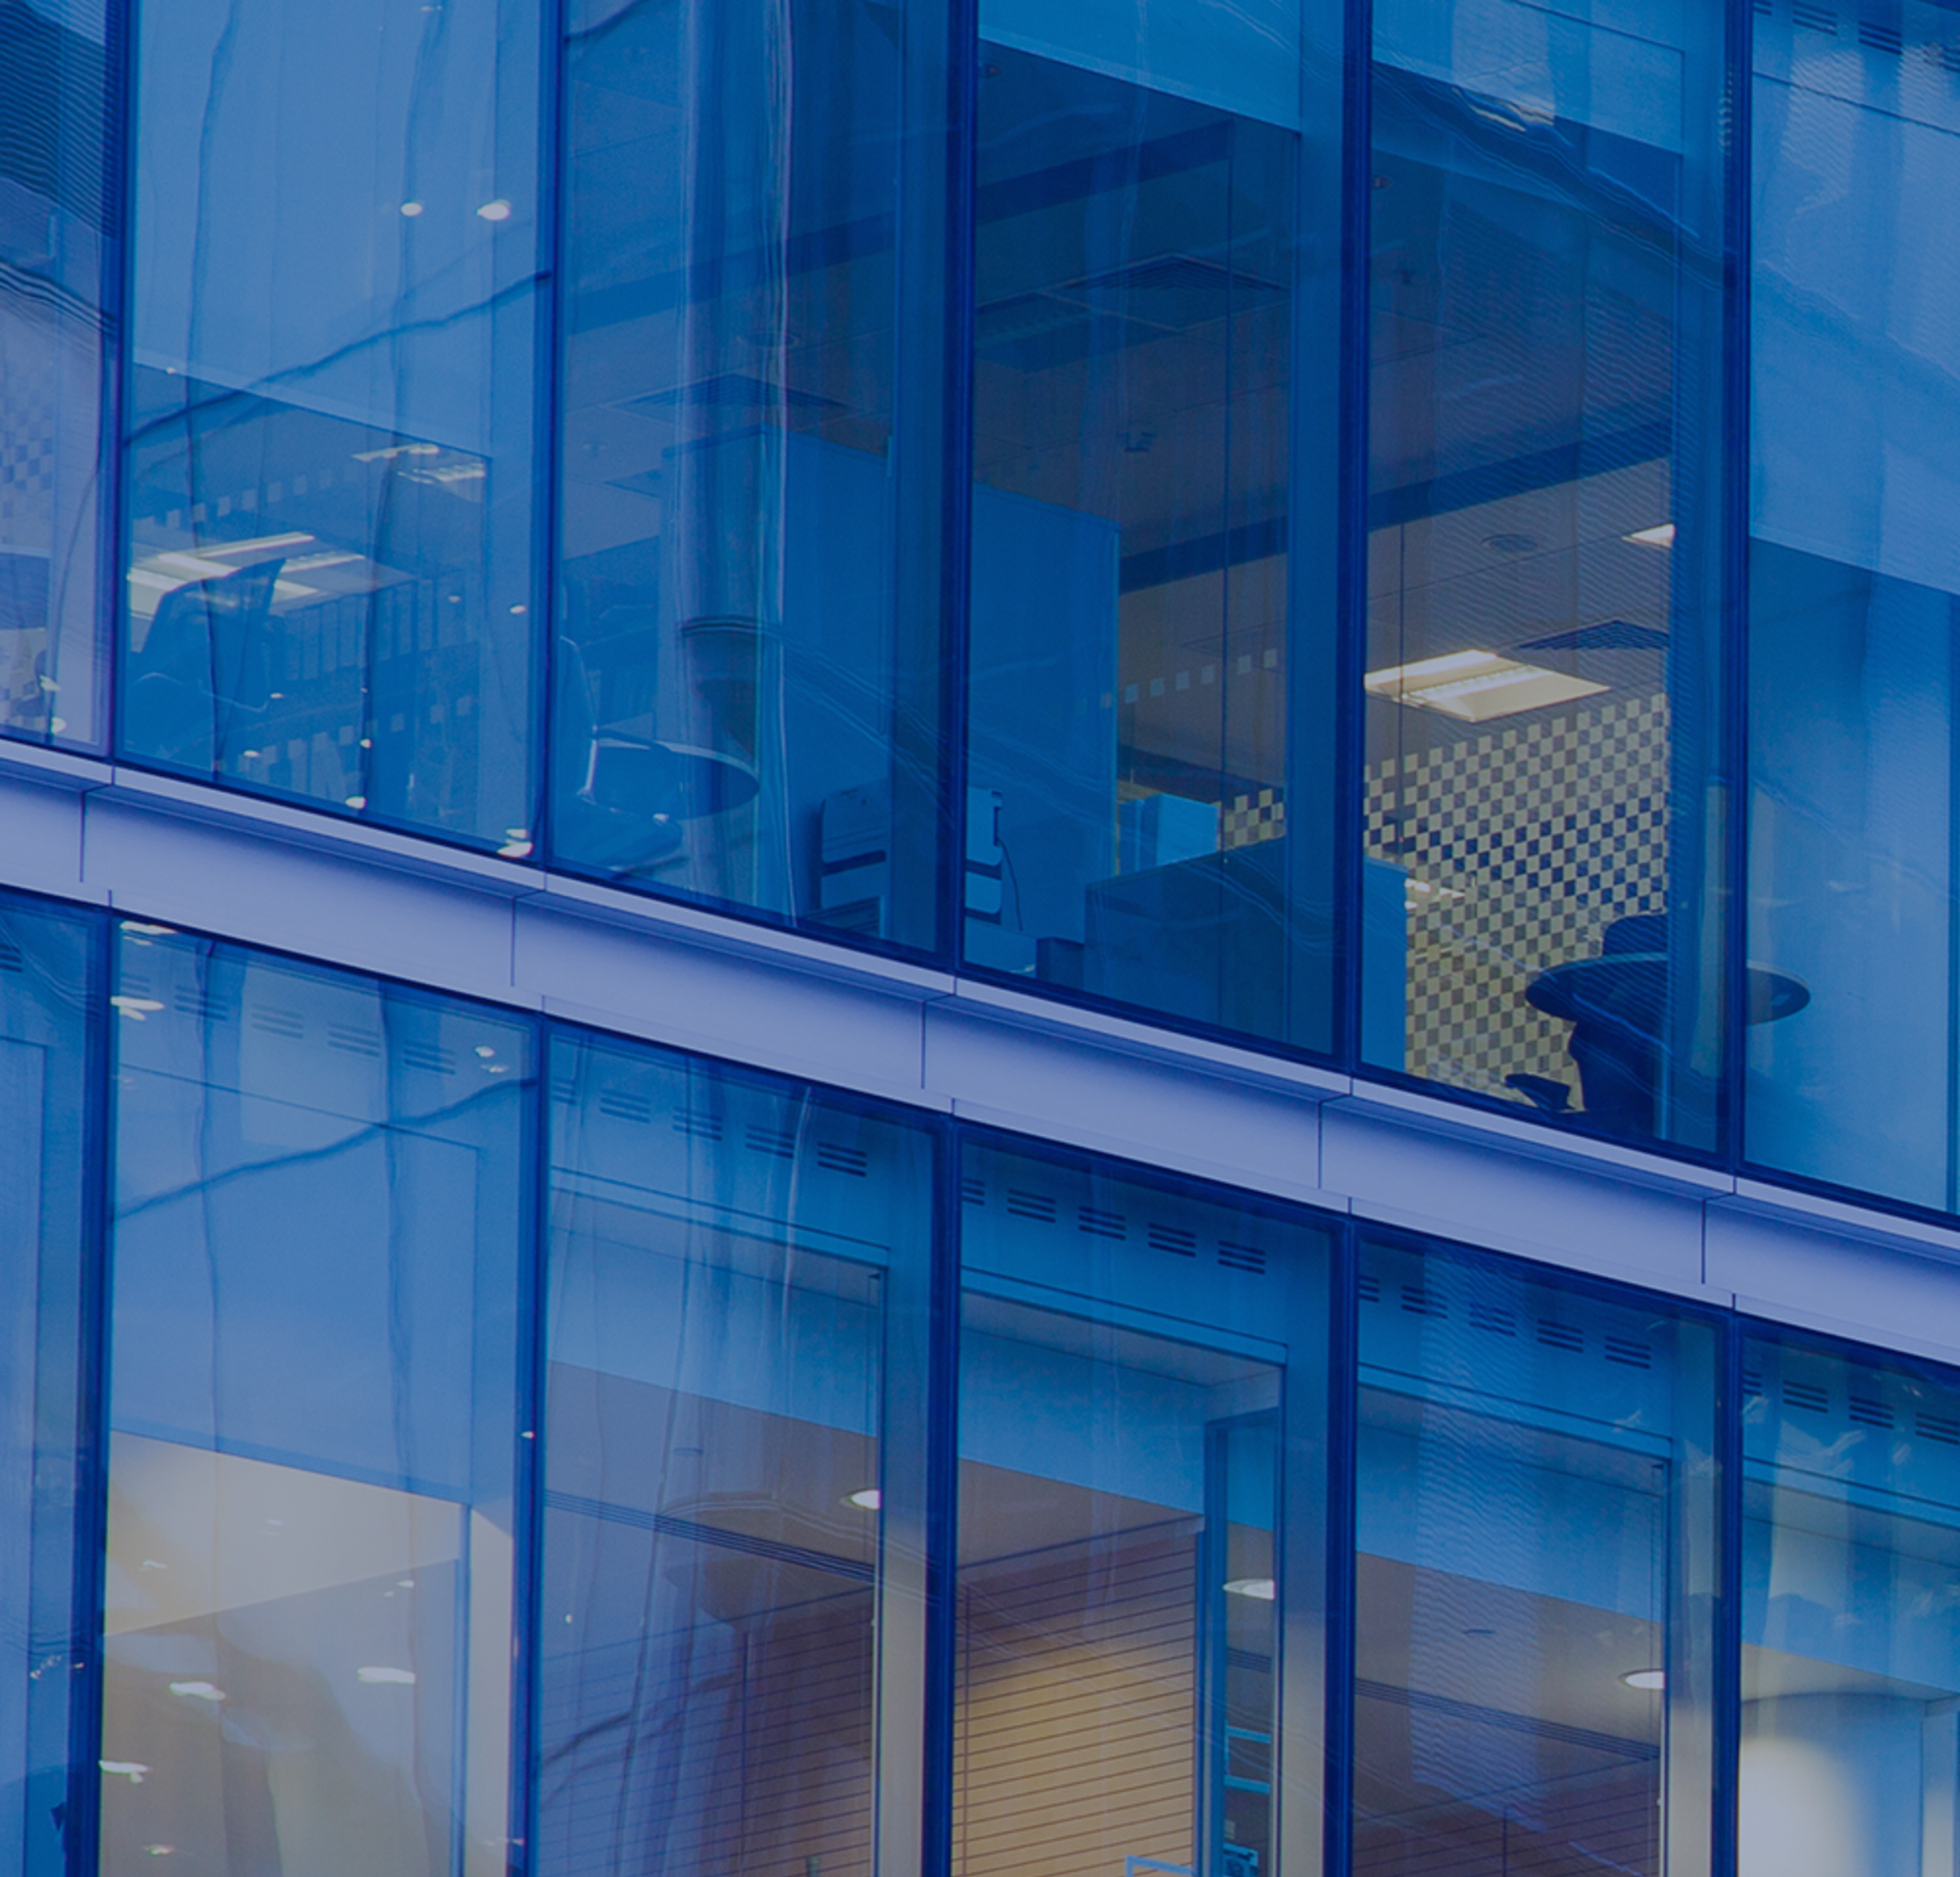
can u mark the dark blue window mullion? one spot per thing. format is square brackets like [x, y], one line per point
[1735, 551]
[942, 1557]
[1342, 1370]
[1352, 563]
[83, 1815]
[527, 1511]
[1729, 1613]
[554, 170]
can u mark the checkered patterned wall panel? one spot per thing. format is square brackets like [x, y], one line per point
[1519, 846]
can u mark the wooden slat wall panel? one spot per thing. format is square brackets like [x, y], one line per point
[737, 1750]
[1077, 1700]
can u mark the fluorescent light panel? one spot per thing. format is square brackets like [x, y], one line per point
[1477, 686]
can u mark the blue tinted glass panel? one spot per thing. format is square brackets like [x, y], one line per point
[1543, 822]
[314, 1389]
[58, 241]
[1855, 462]
[743, 711]
[725, 1256]
[1850, 1645]
[1142, 1437]
[45, 973]
[1536, 1578]
[329, 587]
[1149, 802]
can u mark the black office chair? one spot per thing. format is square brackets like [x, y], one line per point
[197, 690]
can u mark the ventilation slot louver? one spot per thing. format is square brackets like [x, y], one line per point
[1173, 1239]
[431, 1057]
[1806, 1396]
[1561, 1336]
[354, 1042]
[1498, 1322]
[1421, 1303]
[1628, 1352]
[10, 959]
[1101, 1224]
[696, 1125]
[1943, 1428]
[973, 1192]
[1035, 1205]
[1250, 1259]
[1871, 1414]
[275, 1022]
[843, 1160]
[775, 1141]
[620, 1105]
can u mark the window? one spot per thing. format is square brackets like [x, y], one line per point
[1536, 1580]
[745, 710]
[1543, 806]
[60, 223]
[1139, 1592]
[314, 1398]
[1149, 802]
[47, 986]
[730, 1264]
[328, 475]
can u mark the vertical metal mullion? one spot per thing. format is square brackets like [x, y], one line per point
[83, 1817]
[120, 131]
[1728, 1742]
[528, 1481]
[1352, 561]
[1735, 550]
[554, 169]
[1343, 1371]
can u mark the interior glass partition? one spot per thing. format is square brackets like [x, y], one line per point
[314, 1394]
[1543, 798]
[1854, 578]
[730, 1261]
[1850, 1739]
[1143, 1403]
[327, 471]
[743, 711]
[1149, 812]
[47, 989]
[59, 241]
[1536, 1583]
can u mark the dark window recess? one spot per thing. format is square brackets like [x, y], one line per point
[1807, 1395]
[429, 1055]
[1628, 1353]
[1872, 1413]
[623, 1106]
[699, 1126]
[1560, 1336]
[1242, 1258]
[778, 1141]
[973, 1192]
[1371, 1290]
[1031, 1206]
[1939, 1427]
[271, 1022]
[354, 1042]
[1420, 1303]
[843, 1160]
[1174, 1238]
[1100, 1224]
[1498, 1322]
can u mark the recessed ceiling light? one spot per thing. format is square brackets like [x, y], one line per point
[1476, 686]
[386, 1677]
[411, 210]
[497, 211]
[198, 1690]
[1654, 537]
[1645, 1679]
[130, 1770]
[1261, 1590]
[866, 1500]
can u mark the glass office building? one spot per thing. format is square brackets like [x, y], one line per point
[975, 912]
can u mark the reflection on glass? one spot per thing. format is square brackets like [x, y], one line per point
[1853, 577]
[736, 695]
[1543, 815]
[57, 226]
[714, 1448]
[1125, 1581]
[329, 588]
[1850, 1758]
[314, 1384]
[1146, 813]
[44, 995]
[1535, 1584]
